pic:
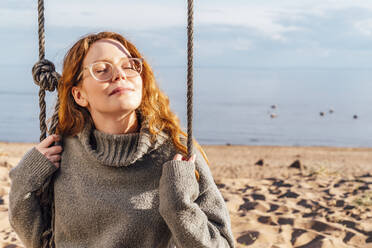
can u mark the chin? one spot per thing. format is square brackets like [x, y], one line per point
[128, 108]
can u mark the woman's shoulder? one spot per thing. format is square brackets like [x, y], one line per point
[167, 150]
[69, 139]
[170, 144]
[71, 144]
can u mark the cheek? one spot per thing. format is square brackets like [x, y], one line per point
[138, 85]
[95, 91]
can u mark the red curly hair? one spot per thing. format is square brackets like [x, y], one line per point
[154, 105]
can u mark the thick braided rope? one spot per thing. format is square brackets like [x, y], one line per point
[45, 194]
[46, 78]
[190, 36]
[41, 29]
[43, 127]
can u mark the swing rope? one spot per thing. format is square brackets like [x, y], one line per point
[190, 60]
[46, 77]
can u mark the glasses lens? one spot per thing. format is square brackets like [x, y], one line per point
[102, 71]
[132, 67]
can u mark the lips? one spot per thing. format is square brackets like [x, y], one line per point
[120, 89]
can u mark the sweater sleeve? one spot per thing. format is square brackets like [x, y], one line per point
[24, 207]
[195, 212]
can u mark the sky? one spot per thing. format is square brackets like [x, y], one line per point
[270, 33]
[289, 34]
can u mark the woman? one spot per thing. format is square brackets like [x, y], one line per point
[121, 180]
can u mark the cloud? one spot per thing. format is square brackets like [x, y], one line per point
[17, 5]
[16, 18]
[241, 44]
[253, 33]
[364, 27]
[264, 19]
[116, 15]
[278, 20]
[272, 19]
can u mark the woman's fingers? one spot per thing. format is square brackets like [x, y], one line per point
[51, 152]
[55, 158]
[54, 150]
[179, 157]
[48, 141]
[56, 164]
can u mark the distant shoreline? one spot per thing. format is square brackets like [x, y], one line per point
[239, 145]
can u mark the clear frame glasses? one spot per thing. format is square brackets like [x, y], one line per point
[104, 70]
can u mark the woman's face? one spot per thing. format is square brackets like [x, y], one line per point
[116, 96]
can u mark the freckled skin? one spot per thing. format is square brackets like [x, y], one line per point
[97, 98]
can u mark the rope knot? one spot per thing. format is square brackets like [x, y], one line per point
[45, 75]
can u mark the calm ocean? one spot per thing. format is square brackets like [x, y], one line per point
[233, 105]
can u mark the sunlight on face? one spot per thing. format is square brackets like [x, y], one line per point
[118, 95]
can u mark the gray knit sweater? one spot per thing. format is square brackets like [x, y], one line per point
[116, 191]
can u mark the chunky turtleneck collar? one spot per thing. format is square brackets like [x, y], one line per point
[112, 148]
[119, 149]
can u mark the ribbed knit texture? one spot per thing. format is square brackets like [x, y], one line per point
[115, 149]
[120, 191]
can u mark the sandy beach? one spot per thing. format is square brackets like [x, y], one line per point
[278, 197]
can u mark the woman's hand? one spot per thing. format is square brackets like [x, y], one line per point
[52, 153]
[179, 157]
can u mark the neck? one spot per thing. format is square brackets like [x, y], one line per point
[126, 123]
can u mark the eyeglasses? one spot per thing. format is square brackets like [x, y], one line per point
[103, 71]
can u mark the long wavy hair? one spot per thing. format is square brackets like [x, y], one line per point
[154, 106]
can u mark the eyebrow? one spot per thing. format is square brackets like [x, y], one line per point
[109, 60]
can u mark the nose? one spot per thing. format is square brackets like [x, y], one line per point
[118, 74]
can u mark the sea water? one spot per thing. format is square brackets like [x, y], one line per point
[233, 105]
